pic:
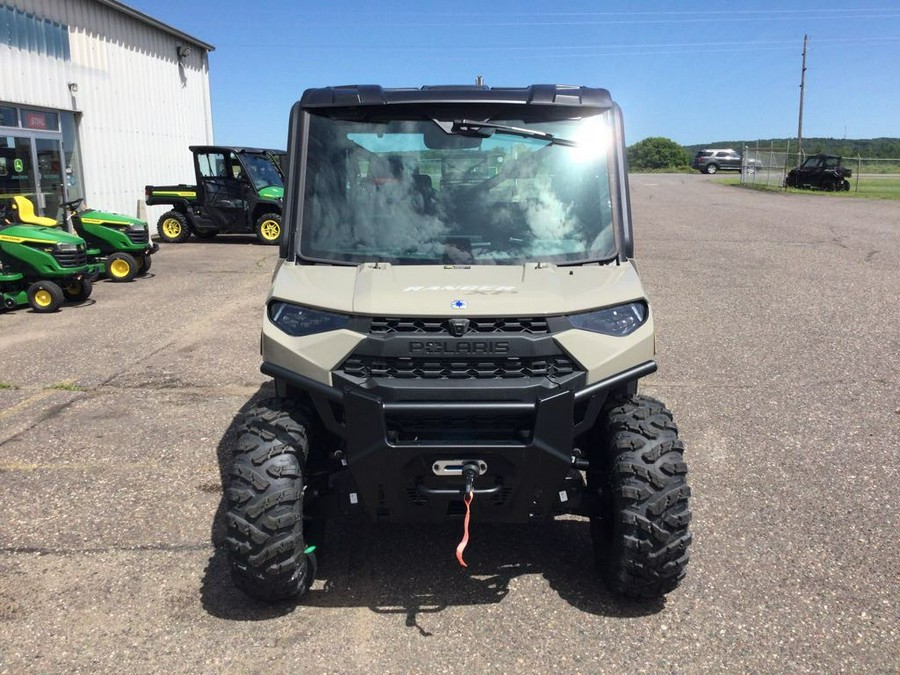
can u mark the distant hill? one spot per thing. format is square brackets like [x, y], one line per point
[873, 148]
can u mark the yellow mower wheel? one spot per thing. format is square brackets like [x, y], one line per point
[121, 267]
[45, 297]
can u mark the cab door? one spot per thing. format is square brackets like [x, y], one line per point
[225, 191]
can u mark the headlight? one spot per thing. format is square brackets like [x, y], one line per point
[66, 248]
[620, 320]
[295, 320]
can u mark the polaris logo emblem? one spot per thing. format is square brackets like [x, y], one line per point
[459, 304]
[455, 347]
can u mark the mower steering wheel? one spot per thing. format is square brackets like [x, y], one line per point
[74, 204]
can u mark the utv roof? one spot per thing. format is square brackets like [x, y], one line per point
[535, 94]
[239, 150]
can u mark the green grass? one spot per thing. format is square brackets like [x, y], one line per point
[8, 385]
[66, 386]
[869, 188]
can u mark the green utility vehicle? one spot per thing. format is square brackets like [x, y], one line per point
[456, 330]
[117, 244]
[40, 266]
[238, 190]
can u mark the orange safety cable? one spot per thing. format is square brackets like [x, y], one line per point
[465, 539]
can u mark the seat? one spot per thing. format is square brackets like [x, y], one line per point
[25, 213]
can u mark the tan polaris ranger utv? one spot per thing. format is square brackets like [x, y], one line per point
[456, 329]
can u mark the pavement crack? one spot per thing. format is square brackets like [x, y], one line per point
[69, 551]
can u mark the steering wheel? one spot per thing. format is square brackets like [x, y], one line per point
[73, 205]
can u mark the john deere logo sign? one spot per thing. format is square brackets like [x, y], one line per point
[18, 165]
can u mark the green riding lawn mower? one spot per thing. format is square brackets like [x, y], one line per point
[119, 244]
[41, 267]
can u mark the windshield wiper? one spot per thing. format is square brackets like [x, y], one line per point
[592, 261]
[485, 129]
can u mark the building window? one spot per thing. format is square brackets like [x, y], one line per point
[31, 33]
[8, 117]
[40, 120]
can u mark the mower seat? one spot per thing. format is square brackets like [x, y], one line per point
[25, 212]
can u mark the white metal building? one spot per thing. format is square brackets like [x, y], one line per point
[96, 101]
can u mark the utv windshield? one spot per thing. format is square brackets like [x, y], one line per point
[263, 171]
[458, 191]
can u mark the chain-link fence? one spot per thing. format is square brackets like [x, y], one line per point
[768, 166]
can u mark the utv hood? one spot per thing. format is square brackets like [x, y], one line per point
[381, 289]
[272, 192]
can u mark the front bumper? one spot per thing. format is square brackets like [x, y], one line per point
[392, 438]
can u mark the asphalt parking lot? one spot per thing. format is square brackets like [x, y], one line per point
[778, 339]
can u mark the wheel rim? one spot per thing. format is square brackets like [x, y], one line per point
[43, 298]
[171, 228]
[119, 268]
[270, 229]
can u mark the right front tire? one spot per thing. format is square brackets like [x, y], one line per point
[268, 229]
[640, 534]
[269, 556]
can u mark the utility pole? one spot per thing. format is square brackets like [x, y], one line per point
[800, 117]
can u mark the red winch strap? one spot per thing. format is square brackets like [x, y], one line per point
[465, 539]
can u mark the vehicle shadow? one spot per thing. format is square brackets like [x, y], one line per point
[411, 570]
[220, 239]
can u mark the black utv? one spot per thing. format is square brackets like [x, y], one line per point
[821, 172]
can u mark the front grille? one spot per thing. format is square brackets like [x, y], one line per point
[70, 258]
[484, 428]
[138, 235]
[366, 367]
[528, 325]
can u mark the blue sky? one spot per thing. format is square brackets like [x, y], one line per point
[691, 71]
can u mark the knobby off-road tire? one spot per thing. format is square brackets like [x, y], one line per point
[265, 539]
[268, 229]
[172, 227]
[641, 537]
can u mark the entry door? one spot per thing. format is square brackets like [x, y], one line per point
[50, 175]
[33, 168]
[225, 190]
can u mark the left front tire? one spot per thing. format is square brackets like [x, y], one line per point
[640, 533]
[121, 267]
[45, 297]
